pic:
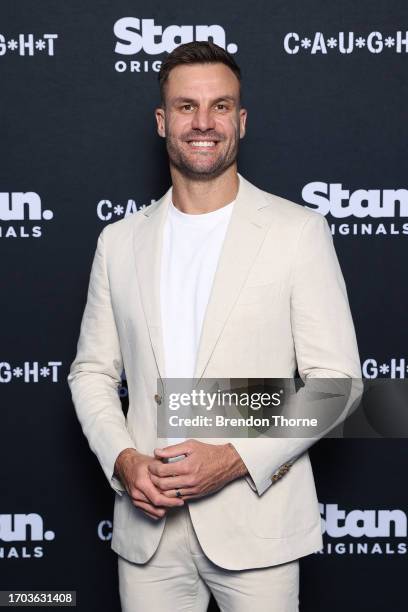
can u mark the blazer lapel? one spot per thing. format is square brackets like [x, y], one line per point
[147, 243]
[245, 233]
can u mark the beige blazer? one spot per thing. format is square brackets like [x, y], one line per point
[278, 303]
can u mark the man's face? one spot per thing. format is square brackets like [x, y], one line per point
[202, 121]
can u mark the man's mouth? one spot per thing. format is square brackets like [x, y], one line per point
[202, 144]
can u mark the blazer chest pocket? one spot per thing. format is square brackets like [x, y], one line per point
[257, 292]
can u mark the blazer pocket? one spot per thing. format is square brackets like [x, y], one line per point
[259, 292]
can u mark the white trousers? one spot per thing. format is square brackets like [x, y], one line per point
[179, 577]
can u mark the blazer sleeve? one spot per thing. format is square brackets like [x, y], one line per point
[95, 374]
[325, 347]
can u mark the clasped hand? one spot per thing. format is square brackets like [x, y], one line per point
[152, 484]
[204, 469]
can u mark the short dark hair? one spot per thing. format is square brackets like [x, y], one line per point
[197, 52]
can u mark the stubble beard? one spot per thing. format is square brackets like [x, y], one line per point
[189, 169]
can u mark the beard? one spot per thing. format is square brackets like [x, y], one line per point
[191, 166]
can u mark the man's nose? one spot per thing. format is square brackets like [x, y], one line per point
[203, 120]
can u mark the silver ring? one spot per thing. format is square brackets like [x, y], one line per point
[178, 494]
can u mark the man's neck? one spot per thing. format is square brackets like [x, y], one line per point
[198, 197]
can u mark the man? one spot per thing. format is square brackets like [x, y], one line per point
[216, 279]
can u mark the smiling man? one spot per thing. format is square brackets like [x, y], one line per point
[216, 279]
[202, 128]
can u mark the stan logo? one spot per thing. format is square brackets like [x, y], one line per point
[379, 532]
[23, 528]
[19, 206]
[358, 523]
[135, 35]
[331, 199]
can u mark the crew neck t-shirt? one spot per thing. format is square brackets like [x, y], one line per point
[190, 252]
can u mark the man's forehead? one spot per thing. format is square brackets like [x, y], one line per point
[194, 78]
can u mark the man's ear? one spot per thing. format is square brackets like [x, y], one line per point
[242, 122]
[161, 121]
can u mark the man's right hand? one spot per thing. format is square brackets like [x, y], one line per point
[131, 467]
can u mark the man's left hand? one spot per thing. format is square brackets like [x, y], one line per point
[206, 468]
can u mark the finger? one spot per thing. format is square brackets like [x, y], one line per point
[138, 495]
[186, 494]
[166, 484]
[158, 499]
[167, 469]
[188, 497]
[174, 450]
[153, 512]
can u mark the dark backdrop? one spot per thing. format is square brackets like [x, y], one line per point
[79, 150]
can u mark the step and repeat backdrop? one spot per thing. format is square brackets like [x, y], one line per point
[325, 85]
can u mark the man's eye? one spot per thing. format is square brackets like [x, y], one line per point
[187, 107]
[221, 106]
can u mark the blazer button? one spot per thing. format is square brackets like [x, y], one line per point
[158, 398]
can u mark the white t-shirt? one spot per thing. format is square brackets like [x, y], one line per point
[190, 252]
